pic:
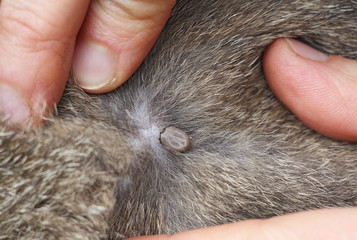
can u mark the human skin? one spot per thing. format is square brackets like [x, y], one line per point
[339, 223]
[319, 89]
[38, 43]
[39, 40]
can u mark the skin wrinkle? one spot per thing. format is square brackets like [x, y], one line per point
[44, 47]
[130, 15]
[34, 41]
[37, 41]
[35, 32]
[126, 31]
[22, 25]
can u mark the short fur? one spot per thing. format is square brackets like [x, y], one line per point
[97, 170]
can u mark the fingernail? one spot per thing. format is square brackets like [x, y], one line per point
[306, 51]
[13, 106]
[92, 66]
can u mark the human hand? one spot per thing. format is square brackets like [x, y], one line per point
[339, 223]
[37, 41]
[320, 90]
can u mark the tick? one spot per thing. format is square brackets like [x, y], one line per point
[175, 139]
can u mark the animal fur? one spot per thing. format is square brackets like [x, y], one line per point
[97, 169]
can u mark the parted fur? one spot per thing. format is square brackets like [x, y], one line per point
[97, 170]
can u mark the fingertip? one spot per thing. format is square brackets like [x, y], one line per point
[325, 224]
[114, 41]
[19, 109]
[13, 107]
[314, 89]
[293, 79]
[93, 67]
[36, 46]
[152, 237]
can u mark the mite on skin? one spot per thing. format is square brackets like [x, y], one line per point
[97, 169]
[175, 139]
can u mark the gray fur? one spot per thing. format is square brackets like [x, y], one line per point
[98, 170]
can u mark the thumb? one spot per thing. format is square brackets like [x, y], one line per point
[115, 38]
[36, 45]
[320, 90]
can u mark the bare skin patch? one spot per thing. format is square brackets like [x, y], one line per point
[175, 139]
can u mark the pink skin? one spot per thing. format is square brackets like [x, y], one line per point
[129, 37]
[35, 54]
[327, 224]
[320, 92]
[37, 42]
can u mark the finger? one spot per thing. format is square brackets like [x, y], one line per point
[327, 224]
[320, 90]
[36, 46]
[114, 40]
[153, 237]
